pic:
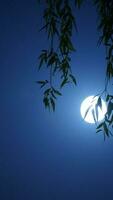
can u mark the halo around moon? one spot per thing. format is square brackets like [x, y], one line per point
[88, 111]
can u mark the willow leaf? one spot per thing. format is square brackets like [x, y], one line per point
[73, 79]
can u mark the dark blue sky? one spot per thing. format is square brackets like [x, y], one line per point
[46, 156]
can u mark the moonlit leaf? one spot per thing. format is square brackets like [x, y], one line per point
[96, 110]
[111, 120]
[110, 108]
[100, 125]
[99, 103]
[93, 113]
[87, 111]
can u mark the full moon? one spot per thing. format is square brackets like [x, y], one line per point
[88, 110]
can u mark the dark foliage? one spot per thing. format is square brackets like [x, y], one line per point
[59, 23]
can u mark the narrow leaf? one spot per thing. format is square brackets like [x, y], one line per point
[52, 104]
[110, 108]
[63, 82]
[87, 111]
[96, 110]
[57, 92]
[53, 95]
[107, 98]
[73, 79]
[105, 129]
[98, 131]
[93, 113]
[46, 102]
[99, 103]
[100, 125]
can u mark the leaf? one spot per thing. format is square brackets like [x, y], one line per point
[110, 51]
[47, 91]
[93, 113]
[99, 103]
[98, 130]
[51, 61]
[52, 103]
[42, 58]
[64, 82]
[106, 129]
[100, 125]
[73, 79]
[110, 108]
[87, 111]
[44, 27]
[107, 98]
[96, 110]
[46, 102]
[111, 97]
[40, 64]
[109, 72]
[106, 119]
[111, 120]
[52, 94]
[57, 92]
[42, 83]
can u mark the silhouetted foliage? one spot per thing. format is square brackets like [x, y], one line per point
[59, 23]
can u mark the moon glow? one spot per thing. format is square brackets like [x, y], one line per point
[88, 106]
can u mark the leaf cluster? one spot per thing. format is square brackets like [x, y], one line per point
[107, 125]
[95, 109]
[50, 96]
[105, 12]
[59, 22]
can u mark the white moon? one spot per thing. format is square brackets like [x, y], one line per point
[88, 105]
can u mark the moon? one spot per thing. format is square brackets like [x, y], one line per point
[88, 110]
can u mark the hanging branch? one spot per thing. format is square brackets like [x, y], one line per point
[59, 23]
[105, 12]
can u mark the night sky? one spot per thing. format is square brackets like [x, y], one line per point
[43, 155]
